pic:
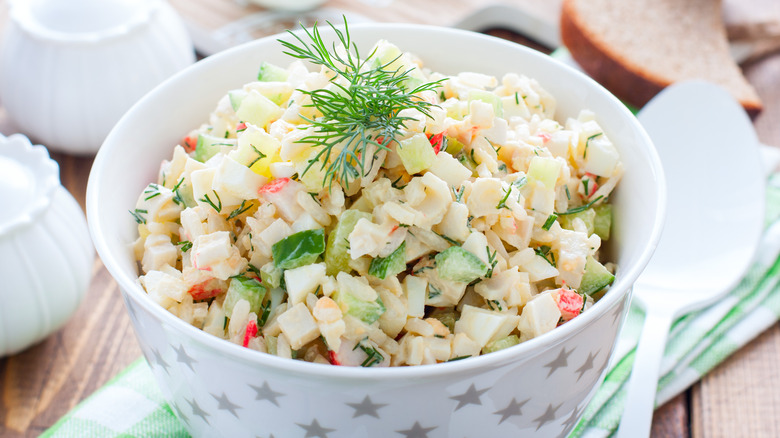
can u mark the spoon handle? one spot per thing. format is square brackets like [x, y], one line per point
[642, 386]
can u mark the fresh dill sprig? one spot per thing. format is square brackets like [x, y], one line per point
[549, 222]
[137, 215]
[360, 109]
[218, 206]
[239, 210]
[153, 190]
[574, 210]
[176, 195]
[458, 192]
[186, 245]
[502, 202]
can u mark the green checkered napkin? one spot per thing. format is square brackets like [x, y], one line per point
[132, 405]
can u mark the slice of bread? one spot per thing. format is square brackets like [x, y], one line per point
[636, 48]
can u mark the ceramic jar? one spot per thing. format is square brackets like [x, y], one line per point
[46, 255]
[70, 69]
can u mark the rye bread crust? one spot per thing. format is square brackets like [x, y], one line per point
[607, 67]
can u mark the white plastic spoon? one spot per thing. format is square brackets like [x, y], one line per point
[715, 186]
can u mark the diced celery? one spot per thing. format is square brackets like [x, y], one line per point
[500, 344]
[416, 153]
[588, 216]
[271, 274]
[602, 223]
[336, 255]
[544, 170]
[271, 73]
[457, 264]
[393, 264]
[244, 288]
[301, 248]
[446, 316]
[270, 344]
[358, 299]
[595, 278]
[453, 146]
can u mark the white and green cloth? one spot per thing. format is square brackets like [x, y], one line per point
[132, 405]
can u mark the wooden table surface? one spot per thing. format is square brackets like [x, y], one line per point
[740, 398]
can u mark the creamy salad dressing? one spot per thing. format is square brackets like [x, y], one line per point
[477, 226]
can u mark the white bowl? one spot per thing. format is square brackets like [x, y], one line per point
[45, 248]
[69, 70]
[219, 389]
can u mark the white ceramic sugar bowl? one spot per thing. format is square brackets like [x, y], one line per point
[46, 255]
[70, 69]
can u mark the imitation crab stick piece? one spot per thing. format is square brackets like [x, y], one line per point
[250, 332]
[569, 303]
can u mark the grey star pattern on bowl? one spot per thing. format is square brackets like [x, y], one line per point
[572, 420]
[547, 416]
[183, 357]
[416, 431]
[588, 365]
[226, 405]
[198, 411]
[561, 361]
[369, 408]
[181, 414]
[159, 360]
[266, 393]
[366, 407]
[616, 313]
[513, 408]
[315, 430]
[470, 397]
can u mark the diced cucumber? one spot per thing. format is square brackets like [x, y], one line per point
[258, 109]
[457, 264]
[544, 170]
[488, 97]
[453, 146]
[500, 344]
[588, 216]
[595, 278]
[336, 255]
[271, 274]
[358, 299]
[209, 145]
[395, 263]
[416, 153]
[271, 73]
[183, 194]
[236, 96]
[392, 59]
[602, 223]
[301, 248]
[244, 288]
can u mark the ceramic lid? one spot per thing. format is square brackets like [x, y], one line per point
[28, 178]
[81, 21]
